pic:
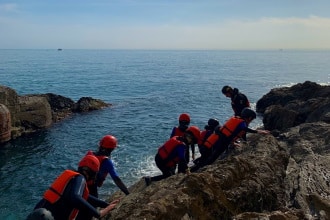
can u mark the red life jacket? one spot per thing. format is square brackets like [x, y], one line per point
[165, 150]
[201, 140]
[229, 127]
[100, 158]
[55, 191]
[210, 141]
[178, 132]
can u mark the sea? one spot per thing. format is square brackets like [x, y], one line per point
[148, 90]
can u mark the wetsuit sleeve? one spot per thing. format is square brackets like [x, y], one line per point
[76, 193]
[242, 127]
[97, 202]
[249, 130]
[114, 175]
[110, 168]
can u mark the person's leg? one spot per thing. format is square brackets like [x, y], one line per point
[202, 160]
[166, 171]
[220, 146]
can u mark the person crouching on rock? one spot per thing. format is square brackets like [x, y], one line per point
[212, 124]
[172, 152]
[236, 127]
[69, 193]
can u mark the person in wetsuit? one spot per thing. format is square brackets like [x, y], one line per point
[205, 134]
[107, 144]
[184, 121]
[236, 127]
[172, 152]
[69, 194]
[239, 101]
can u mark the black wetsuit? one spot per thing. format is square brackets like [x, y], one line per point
[239, 101]
[72, 199]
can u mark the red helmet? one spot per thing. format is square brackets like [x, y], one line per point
[184, 117]
[91, 162]
[194, 130]
[108, 141]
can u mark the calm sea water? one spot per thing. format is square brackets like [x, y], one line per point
[148, 90]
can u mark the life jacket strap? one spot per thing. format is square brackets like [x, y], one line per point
[54, 191]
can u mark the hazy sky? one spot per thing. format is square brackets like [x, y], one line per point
[165, 24]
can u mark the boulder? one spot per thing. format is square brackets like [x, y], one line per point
[5, 124]
[290, 106]
[61, 107]
[9, 98]
[35, 113]
[30, 113]
[86, 104]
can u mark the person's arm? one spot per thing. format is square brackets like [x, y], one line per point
[115, 177]
[236, 133]
[106, 210]
[249, 130]
[74, 195]
[95, 202]
[77, 199]
[121, 185]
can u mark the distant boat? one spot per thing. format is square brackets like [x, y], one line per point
[59, 49]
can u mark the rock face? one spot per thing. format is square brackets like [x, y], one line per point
[31, 113]
[284, 177]
[5, 124]
[290, 106]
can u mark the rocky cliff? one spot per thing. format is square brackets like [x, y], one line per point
[29, 113]
[281, 176]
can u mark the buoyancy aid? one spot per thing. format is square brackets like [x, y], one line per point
[178, 132]
[100, 179]
[211, 140]
[204, 136]
[229, 127]
[55, 191]
[201, 140]
[165, 150]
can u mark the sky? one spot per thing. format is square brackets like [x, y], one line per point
[165, 24]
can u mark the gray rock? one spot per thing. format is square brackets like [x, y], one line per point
[30, 113]
[290, 106]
